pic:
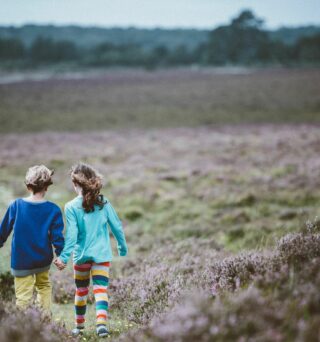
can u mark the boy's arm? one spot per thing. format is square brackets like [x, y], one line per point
[116, 229]
[7, 223]
[71, 235]
[56, 236]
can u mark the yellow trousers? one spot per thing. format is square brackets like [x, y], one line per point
[24, 288]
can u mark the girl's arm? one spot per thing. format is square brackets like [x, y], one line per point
[116, 229]
[56, 229]
[7, 223]
[71, 235]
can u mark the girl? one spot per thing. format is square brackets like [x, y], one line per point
[88, 217]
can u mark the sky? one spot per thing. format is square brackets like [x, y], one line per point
[156, 13]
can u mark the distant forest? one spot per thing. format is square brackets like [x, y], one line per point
[242, 42]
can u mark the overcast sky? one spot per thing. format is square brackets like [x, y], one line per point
[156, 13]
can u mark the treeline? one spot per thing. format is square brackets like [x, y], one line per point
[242, 42]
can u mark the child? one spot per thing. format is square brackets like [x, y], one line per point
[37, 224]
[88, 217]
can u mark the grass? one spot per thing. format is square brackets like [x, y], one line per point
[245, 202]
[5, 257]
[116, 324]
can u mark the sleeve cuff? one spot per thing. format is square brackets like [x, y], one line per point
[58, 253]
[64, 260]
[122, 251]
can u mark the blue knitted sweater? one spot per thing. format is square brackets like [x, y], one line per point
[36, 227]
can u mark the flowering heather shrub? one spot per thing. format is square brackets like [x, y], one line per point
[296, 248]
[29, 325]
[276, 299]
[6, 286]
[147, 294]
[235, 272]
[282, 306]
[200, 318]
[157, 284]
[312, 226]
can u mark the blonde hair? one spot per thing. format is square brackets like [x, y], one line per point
[90, 181]
[38, 178]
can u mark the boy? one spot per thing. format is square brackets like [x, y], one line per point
[37, 224]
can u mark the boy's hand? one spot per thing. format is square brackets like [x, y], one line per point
[59, 264]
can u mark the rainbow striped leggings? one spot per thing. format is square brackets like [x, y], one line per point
[100, 279]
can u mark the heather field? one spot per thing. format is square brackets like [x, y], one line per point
[163, 98]
[215, 177]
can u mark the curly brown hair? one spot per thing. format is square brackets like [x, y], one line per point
[90, 181]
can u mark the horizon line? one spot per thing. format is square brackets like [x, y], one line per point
[156, 27]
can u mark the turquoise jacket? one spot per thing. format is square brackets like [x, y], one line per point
[88, 233]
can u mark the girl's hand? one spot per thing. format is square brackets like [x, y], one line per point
[59, 264]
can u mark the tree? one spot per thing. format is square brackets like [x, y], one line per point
[182, 56]
[47, 50]
[247, 20]
[241, 42]
[307, 49]
[11, 48]
[107, 54]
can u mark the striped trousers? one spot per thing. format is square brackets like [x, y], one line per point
[100, 280]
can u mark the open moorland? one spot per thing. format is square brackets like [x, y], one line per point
[221, 220]
[171, 98]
